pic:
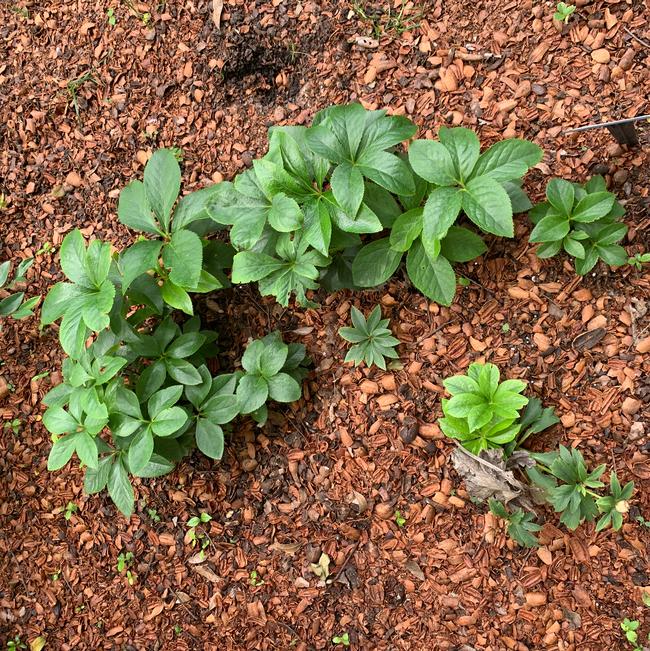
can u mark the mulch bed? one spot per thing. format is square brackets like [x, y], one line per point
[83, 102]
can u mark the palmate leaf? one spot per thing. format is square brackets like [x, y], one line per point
[521, 525]
[373, 341]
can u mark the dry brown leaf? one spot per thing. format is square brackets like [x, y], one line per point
[486, 477]
[287, 548]
[206, 573]
[217, 8]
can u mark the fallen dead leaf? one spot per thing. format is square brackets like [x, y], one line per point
[217, 8]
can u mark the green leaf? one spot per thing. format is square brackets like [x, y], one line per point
[435, 279]
[140, 450]
[283, 388]
[432, 161]
[195, 206]
[324, 143]
[134, 211]
[487, 204]
[507, 160]
[440, 212]
[518, 198]
[272, 358]
[156, 467]
[119, 487]
[86, 449]
[95, 479]
[162, 183]
[249, 266]
[168, 421]
[375, 263]
[252, 392]
[461, 245]
[177, 297]
[183, 255]
[221, 409]
[10, 304]
[464, 147]
[138, 259]
[163, 399]
[318, 225]
[285, 214]
[573, 247]
[252, 358]
[561, 194]
[185, 345]
[61, 452]
[613, 254]
[406, 229]
[209, 438]
[182, 371]
[551, 229]
[348, 188]
[73, 259]
[58, 300]
[593, 206]
[388, 171]
[4, 272]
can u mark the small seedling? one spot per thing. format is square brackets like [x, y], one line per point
[629, 627]
[124, 560]
[3, 201]
[13, 425]
[178, 629]
[521, 525]
[341, 639]
[56, 575]
[641, 520]
[73, 87]
[563, 12]
[153, 515]
[400, 520]
[70, 508]
[254, 580]
[110, 16]
[645, 597]
[21, 11]
[197, 536]
[46, 248]
[16, 643]
[505, 328]
[464, 282]
[372, 340]
[638, 260]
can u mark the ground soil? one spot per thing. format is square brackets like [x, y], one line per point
[84, 102]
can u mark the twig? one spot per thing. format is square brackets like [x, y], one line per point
[190, 613]
[344, 564]
[636, 38]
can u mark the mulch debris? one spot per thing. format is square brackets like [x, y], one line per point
[84, 102]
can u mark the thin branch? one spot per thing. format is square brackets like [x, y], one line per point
[636, 38]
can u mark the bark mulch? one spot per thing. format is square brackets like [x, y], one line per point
[84, 102]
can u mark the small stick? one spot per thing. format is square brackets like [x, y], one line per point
[608, 124]
[636, 38]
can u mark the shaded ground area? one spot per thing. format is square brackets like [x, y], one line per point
[83, 102]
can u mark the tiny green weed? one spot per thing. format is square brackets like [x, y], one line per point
[563, 11]
[400, 520]
[638, 260]
[13, 425]
[70, 508]
[343, 639]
